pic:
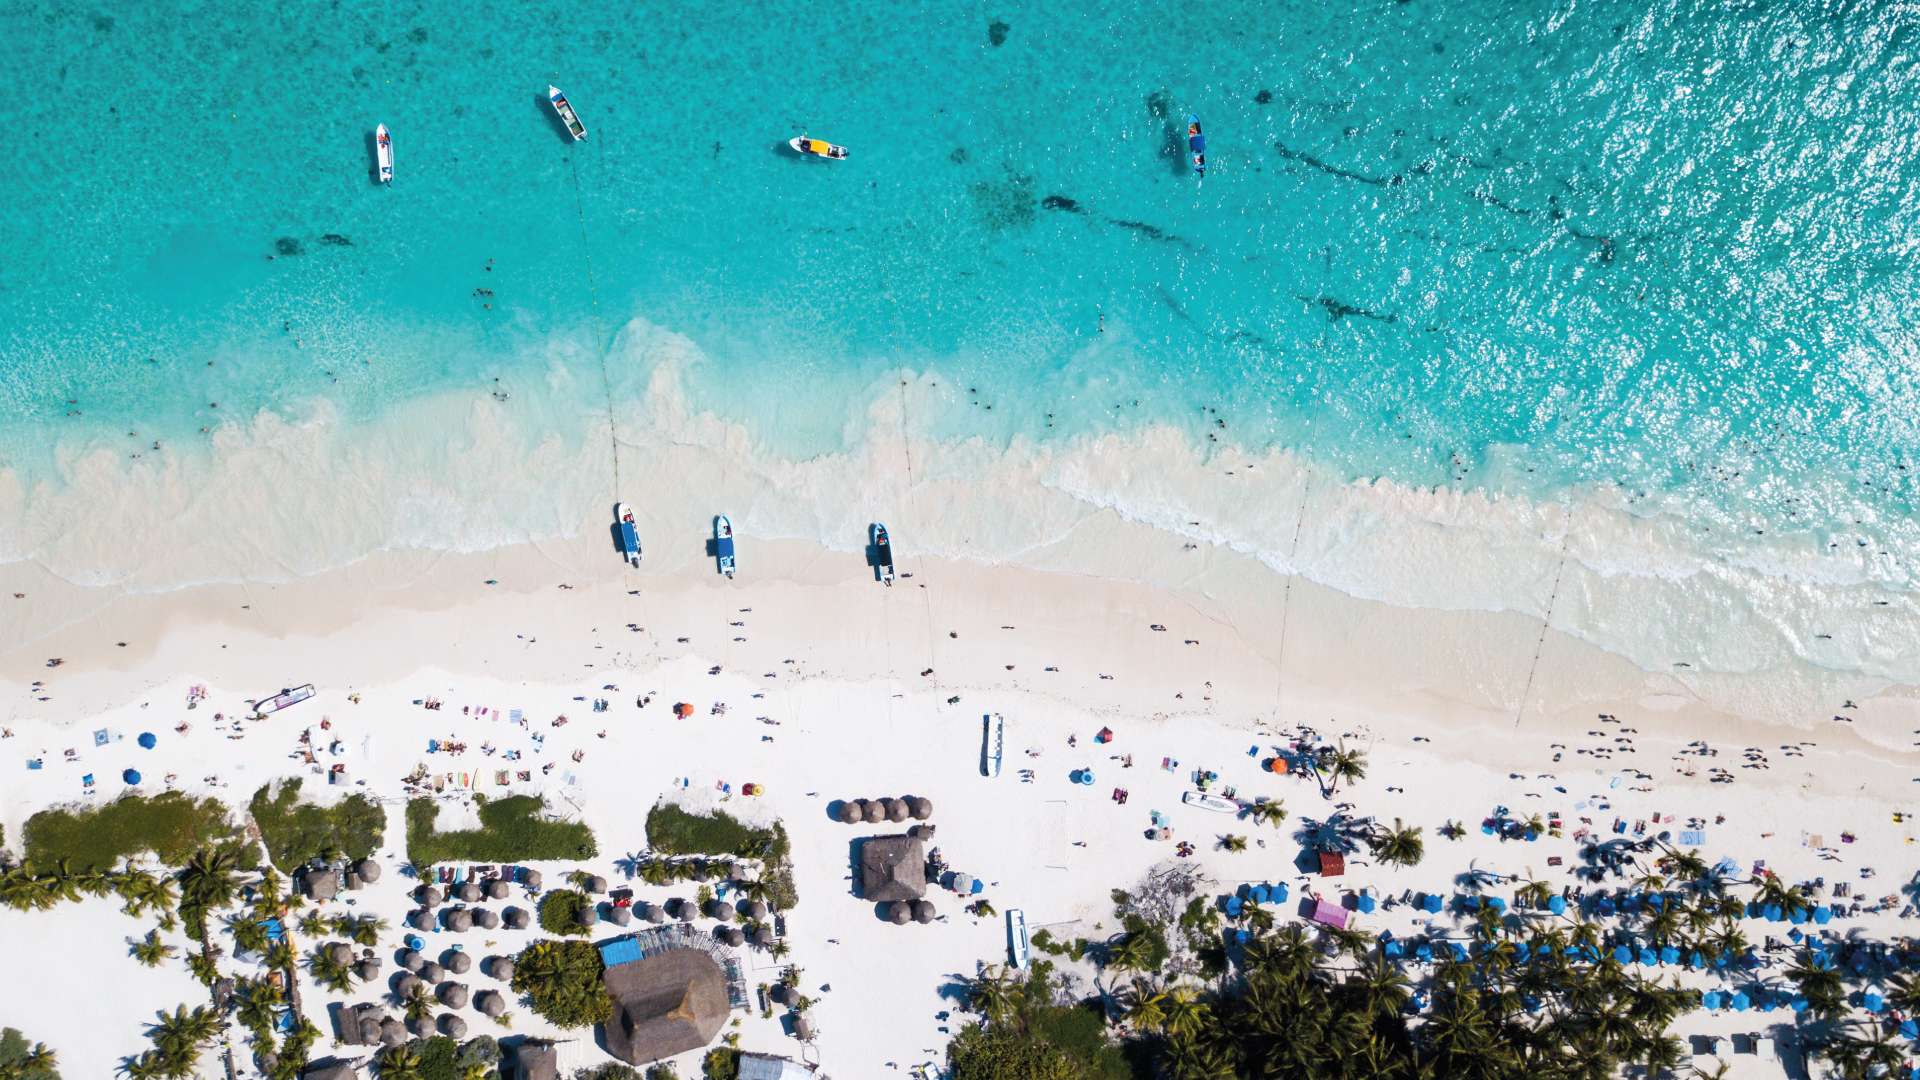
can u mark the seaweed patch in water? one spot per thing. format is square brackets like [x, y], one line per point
[1007, 204]
[334, 239]
[1340, 309]
[959, 155]
[1264, 97]
[1151, 232]
[1061, 202]
[997, 33]
[1158, 105]
[1335, 170]
[289, 245]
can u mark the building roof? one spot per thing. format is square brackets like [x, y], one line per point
[893, 868]
[1332, 864]
[320, 884]
[768, 1067]
[535, 1059]
[330, 1070]
[665, 1004]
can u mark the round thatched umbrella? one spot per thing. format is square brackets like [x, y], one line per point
[516, 918]
[721, 910]
[729, 934]
[412, 960]
[651, 912]
[802, 1028]
[459, 920]
[502, 968]
[876, 811]
[763, 936]
[588, 914]
[897, 810]
[756, 910]
[490, 1003]
[423, 1026]
[853, 811]
[428, 895]
[596, 885]
[368, 969]
[921, 806]
[392, 1032]
[340, 952]
[369, 1031]
[683, 909]
[268, 1060]
[453, 995]
[619, 915]
[485, 918]
[453, 1026]
[533, 879]
[432, 973]
[405, 985]
[368, 870]
[497, 889]
[469, 892]
[458, 962]
[421, 919]
[922, 911]
[899, 912]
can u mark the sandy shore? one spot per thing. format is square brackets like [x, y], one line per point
[835, 687]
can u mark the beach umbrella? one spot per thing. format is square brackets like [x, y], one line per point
[1233, 906]
[899, 912]
[147, 740]
[459, 920]
[1257, 893]
[1424, 953]
[596, 885]
[368, 870]
[1669, 954]
[1459, 950]
[763, 936]
[412, 960]
[1432, 903]
[369, 1031]
[1521, 950]
[458, 962]
[131, 776]
[1647, 956]
[1622, 954]
[1393, 950]
[1798, 916]
[1773, 913]
[721, 910]
[422, 1026]
[683, 909]
[922, 912]
[619, 915]
[431, 972]
[1365, 903]
[963, 883]
[501, 967]
[803, 1028]
[453, 1026]
[490, 1003]
[468, 892]
[1872, 1002]
[404, 986]
[368, 969]
[853, 811]
[1909, 1029]
[1695, 959]
[897, 810]
[496, 889]
[1797, 1003]
[756, 909]
[454, 995]
[516, 918]
[1740, 1001]
[921, 806]
[731, 935]
[392, 1032]
[530, 878]
[1277, 893]
[1711, 999]
[485, 918]
[340, 952]
[421, 920]
[588, 915]
[1823, 915]
[428, 896]
[876, 811]
[655, 914]
[1497, 903]
[1557, 904]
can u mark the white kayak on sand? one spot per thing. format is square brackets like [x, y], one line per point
[383, 153]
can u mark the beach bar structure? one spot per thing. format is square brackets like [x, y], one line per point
[893, 868]
[673, 989]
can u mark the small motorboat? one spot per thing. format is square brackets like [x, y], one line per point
[1019, 947]
[284, 698]
[629, 534]
[993, 740]
[818, 148]
[567, 116]
[723, 543]
[1197, 146]
[383, 153]
[1215, 803]
[882, 552]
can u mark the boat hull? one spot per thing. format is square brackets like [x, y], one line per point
[629, 534]
[723, 544]
[819, 148]
[567, 116]
[882, 552]
[383, 153]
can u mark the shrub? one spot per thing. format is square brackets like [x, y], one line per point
[721, 1063]
[510, 829]
[171, 825]
[562, 982]
[295, 832]
[560, 912]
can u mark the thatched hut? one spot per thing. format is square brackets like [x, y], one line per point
[853, 811]
[421, 919]
[320, 884]
[619, 915]
[876, 811]
[453, 995]
[516, 918]
[683, 909]
[490, 1003]
[432, 973]
[331, 1069]
[893, 868]
[368, 870]
[452, 1026]
[899, 912]
[501, 967]
[497, 889]
[666, 1004]
[392, 1032]
[459, 920]
[803, 1028]
[921, 806]
[654, 913]
[421, 1026]
[536, 1059]
[897, 810]
[594, 885]
[923, 911]
[428, 896]
[468, 892]
[457, 961]
[412, 960]
[486, 918]
[779, 992]
[369, 1031]
[531, 879]
[721, 910]
[340, 952]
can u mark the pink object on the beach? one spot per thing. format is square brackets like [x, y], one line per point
[1330, 914]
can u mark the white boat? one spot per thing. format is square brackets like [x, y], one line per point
[1018, 947]
[817, 148]
[993, 738]
[284, 698]
[723, 543]
[1210, 802]
[567, 116]
[383, 152]
[882, 552]
[629, 534]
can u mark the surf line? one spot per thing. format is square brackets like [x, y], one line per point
[1546, 622]
[1286, 596]
[600, 344]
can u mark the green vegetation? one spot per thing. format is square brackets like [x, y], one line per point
[560, 912]
[295, 832]
[171, 825]
[510, 829]
[562, 981]
[22, 1060]
[673, 831]
[721, 1063]
[1026, 1036]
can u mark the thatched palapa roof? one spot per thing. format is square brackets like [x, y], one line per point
[497, 889]
[368, 870]
[893, 868]
[516, 918]
[535, 1059]
[457, 961]
[665, 1004]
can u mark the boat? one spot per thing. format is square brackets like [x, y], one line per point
[993, 740]
[1019, 949]
[1197, 145]
[629, 534]
[567, 116]
[383, 153]
[818, 148]
[882, 552]
[1210, 802]
[283, 699]
[723, 543]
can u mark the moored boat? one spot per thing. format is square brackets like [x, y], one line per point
[882, 552]
[284, 698]
[1019, 948]
[629, 534]
[1210, 802]
[383, 153]
[567, 116]
[723, 543]
[818, 148]
[1197, 146]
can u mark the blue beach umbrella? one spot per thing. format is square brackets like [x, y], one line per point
[1241, 937]
[131, 776]
[1773, 913]
[147, 740]
[1393, 950]
[1431, 902]
[1909, 1029]
[1258, 894]
[1622, 954]
[1669, 954]
[1797, 1004]
[1278, 893]
[1557, 904]
[1711, 999]
[1740, 1001]
[1647, 956]
[1872, 1002]
[1497, 903]
[1234, 906]
[1459, 950]
[1798, 916]
[1365, 903]
[1823, 915]
[1423, 953]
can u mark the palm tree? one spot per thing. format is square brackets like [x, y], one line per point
[329, 972]
[151, 951]
[210, 879]
[401, 1063]
[1186, 1015]
[1149, 1012]
[1267, 812]
[249, 935]
[281, 955]
[314, 924]
[1337, 765]
[1820, 984]
[364, 930]
[1233, 843]
[1400, 845]
[1134, 953]
[993, 996]
[419, 1003]
[39, 1059]
[147, 1066]
[179, 1035]
[1382, 988]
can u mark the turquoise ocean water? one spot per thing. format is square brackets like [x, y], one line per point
[1519, 248]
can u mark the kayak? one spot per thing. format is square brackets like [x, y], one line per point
[818, 148]
[383, 151]
[1197, 146]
